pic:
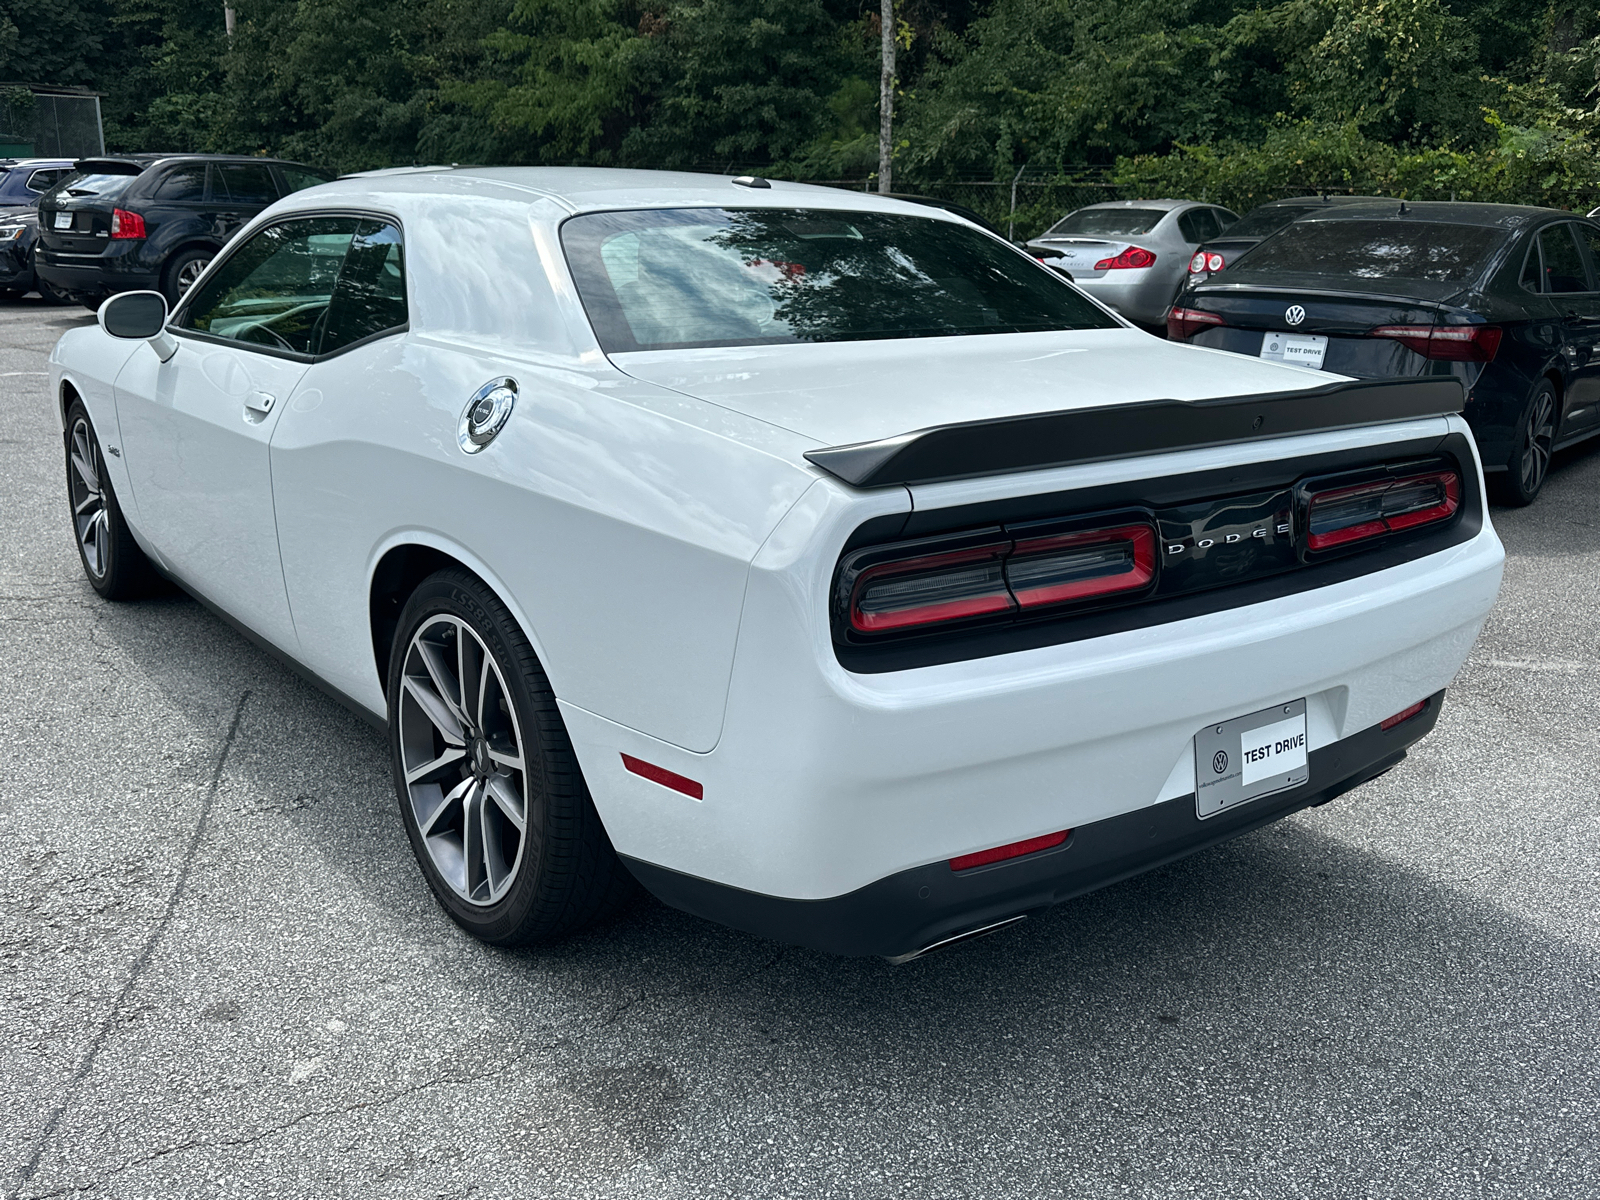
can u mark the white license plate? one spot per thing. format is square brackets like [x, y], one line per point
[1250, 757]
[1301, 349]
[63, 220]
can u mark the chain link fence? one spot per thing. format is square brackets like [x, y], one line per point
[40, 122]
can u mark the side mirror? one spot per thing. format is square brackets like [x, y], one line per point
[139, 316]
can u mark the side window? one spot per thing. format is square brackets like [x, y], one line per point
[1563, 265]
[182, 184]
[243, 183]
[297, 179]
[42, 181]
[274, 290]
[1193, 225]
[1224, 219]
[1531, 271]
[370, 297]
[1589, 235]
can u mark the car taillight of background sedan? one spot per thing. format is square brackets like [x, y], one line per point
[1132, 257]
[1206, 262]
[1184, 323]
[1454, 343]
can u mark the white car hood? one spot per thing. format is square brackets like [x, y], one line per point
[839, 393]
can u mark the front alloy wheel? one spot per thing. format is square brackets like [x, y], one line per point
[112, 560]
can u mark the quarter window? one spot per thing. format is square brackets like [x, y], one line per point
[1564, 270]
[370, 296]
[1531, 271]
[274, 291]
[185, 184]
[1198, 225]
[297, 179]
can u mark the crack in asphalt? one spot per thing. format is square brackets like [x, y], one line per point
[143, 960]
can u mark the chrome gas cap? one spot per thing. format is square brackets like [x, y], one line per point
[486, 413]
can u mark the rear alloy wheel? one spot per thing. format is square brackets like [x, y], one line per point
[112, 560]
[182, 272]
[489, 787]
[1530, 458]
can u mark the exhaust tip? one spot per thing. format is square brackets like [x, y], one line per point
[956, 939]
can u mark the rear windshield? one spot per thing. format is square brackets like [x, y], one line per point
[1263, 221]
[93, 183]
[667, 278]
[1384, 249]
[1108, 222]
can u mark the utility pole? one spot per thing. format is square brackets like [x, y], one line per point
[228, 19]
[886, 101]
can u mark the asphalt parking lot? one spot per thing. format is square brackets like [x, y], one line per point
[222, 973]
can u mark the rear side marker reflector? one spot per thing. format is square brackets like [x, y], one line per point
[666, 778]
[1014, 850]
[1404, 715]
[1340, 516]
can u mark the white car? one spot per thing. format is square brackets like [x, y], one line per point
[819, 561]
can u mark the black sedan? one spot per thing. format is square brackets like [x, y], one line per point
[125, 223]
[1505, 298]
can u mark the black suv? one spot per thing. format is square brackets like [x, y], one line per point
[128, 222]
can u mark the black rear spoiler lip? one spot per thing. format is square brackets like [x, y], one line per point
[1075, 437]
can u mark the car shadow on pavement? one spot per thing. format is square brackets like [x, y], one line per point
[1285, 1014]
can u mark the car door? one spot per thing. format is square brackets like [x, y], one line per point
[1580, 321]
[195, 430]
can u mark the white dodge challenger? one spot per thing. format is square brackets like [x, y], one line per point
[821, 562]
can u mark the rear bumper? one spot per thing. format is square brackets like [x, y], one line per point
[1140, 295]
[916, 909]
[115, 270]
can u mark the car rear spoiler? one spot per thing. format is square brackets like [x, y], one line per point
[1087, 435]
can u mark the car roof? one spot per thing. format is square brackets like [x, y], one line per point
[1168, 204]
[11, 164]
[590, 189]
[1443, 212]
[143, 161]
[1326, 200]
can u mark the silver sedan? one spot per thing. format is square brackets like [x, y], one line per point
[1132, 254]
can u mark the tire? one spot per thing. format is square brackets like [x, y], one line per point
[92, 303]
[181, 271]
[49, 294]
[112, 560]
[505, 886]
[1529, 464]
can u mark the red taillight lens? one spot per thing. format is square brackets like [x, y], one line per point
[1215, 263]
[125, 224]
[1197, 264]
[931, 589]
[1404, 715]
[1453, 343]
[1133, 256]
[1186, 322]
[1014, 850]
[1080, 566]
[1340, 516]
[996, 576]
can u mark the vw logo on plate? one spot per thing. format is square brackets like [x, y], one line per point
[1295, 315]
[1219, 761]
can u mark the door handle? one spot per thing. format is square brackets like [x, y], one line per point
[260, 402]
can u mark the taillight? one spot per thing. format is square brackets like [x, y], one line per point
[1081, 566]
[1404, 715]
[1454, 343]
[1197, 264]
[1342, 515]
[920, 584]
[1186, 322]
[1215, 262]
[1133, 256]
[1013, 850]
[125, 224]
[931, 589]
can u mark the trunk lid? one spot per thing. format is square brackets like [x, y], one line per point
[76, 218]
[1079, 254]
[840, 393]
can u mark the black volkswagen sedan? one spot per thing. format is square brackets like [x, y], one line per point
[1505, 298]
[137, 221]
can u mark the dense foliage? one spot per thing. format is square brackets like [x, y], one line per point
[1236, 100]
